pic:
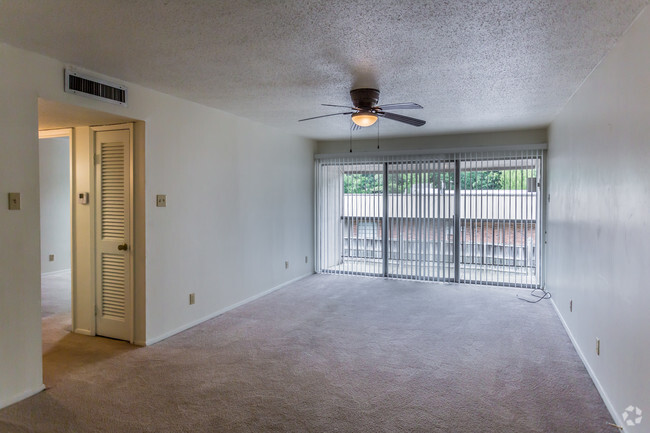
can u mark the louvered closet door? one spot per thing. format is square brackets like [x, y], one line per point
[113, 246]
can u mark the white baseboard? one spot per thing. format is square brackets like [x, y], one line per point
[61, 271]
[83, 332]
[21, 396]
[594, 378]
[187, 326]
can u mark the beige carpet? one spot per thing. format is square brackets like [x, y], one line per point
[329, 354]
[56, 293]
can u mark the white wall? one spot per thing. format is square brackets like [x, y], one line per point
[239, 204]
[20, 279]
[54, 181]
[598, 221]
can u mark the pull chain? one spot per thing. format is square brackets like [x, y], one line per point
[351, 136]
[377, 134]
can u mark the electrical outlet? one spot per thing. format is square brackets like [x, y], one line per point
[14, 201]
[51, 257]
[571, 306]
[286, 265]
[161, 200]
[598, 346]
[192, 298]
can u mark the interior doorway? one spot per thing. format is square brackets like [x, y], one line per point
[110, 292]
[69, 217]
[56, 232]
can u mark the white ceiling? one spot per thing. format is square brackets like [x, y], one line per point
[474, 65]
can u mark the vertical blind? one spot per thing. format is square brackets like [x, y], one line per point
[470, 217]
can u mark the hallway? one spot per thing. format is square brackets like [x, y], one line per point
[63, 351]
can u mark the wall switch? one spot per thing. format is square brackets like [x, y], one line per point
[306, 259]
[14, 201]
[192, 299]
[571, 306]
[161, 200]
[51, 257]
[598, 346]
[286, 265]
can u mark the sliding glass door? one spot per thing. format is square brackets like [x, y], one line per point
[420, 219]
[500, 218]
[470, 217]
[349, 230]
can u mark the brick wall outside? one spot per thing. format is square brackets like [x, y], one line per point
[477, 232]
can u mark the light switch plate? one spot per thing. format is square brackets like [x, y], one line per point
[14, 201]
[161, 200]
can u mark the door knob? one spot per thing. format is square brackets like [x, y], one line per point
[123, 247]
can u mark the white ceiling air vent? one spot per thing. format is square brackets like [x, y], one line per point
[85, 85]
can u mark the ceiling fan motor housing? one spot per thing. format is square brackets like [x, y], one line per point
[364, 98]
[365, 110]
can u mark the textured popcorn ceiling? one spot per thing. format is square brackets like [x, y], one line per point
[473, 65]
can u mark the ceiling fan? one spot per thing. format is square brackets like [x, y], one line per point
[365, 110]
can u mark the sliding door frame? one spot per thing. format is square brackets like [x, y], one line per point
[384, 223]
[459, 160]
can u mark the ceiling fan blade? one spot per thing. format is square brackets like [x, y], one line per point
[404, 119]
[400, 106]
[324, 115]
[340, 106]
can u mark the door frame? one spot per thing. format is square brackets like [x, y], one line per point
[69, 133]
[93, 267]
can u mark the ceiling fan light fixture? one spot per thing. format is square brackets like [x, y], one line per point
[364, 119]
